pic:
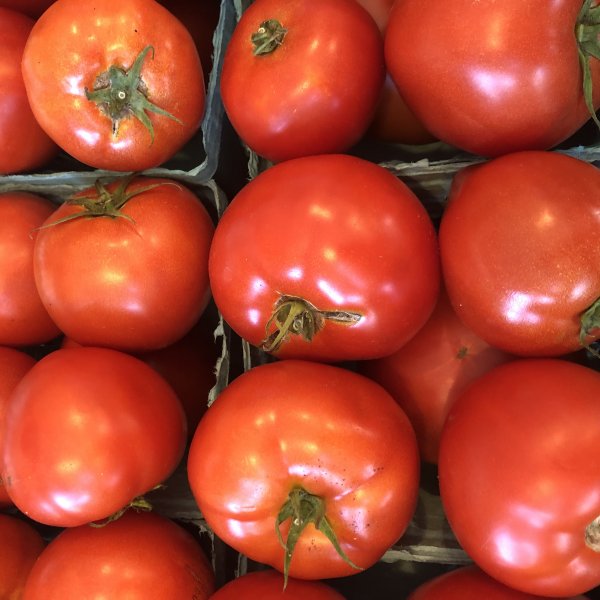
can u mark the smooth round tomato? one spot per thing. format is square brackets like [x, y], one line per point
[520, 253]
[518, 475]
[328, 257]
[119, 87]
[135, 281]
[429, 372]
[302, 77]
[88, 430]
[20, 547]
[33, 8]
[24, 145]
[140, 556]
[24, 320]
[311, 451]
[485, 77]
[268, 585]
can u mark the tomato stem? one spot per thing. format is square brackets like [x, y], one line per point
[586, 32]
[590, 321]
[268, 37]
[592, 535]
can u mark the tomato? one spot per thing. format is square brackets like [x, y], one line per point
[302, 77]
[21, 545]
[327, 257]
[268, 585]
[483, 76]
[428, 373]
[520, 450]
[87, 430]
[307, 450]
[470, 583]
[140, 556]
[24, 145]
[13, 366]
[118, 86]
[33, 8]
[23, 319]
[135, 282]
[519, 251]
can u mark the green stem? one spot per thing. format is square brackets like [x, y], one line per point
[587, 31]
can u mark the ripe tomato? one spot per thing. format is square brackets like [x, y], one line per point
[327, 257]
[87, 430]
[302, 77]
[141, 556]
[311, 451]
[24, 145]
[23, 319]
[268, 585]
[483, 76]
[20, 547]
[520, 450]
[520, 252]
[118, 85]
[135, 282]
[428, 373]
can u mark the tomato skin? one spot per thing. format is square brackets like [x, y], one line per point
[340, 232]
[85, 43]
[23, 143]
[317, 91]
[33, 8]
[107, 428]
[519, 448]
[518, 243]
[126, 283]
[483, 77]
[138, 556]
[332, 432]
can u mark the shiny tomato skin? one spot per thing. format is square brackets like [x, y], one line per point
[343, 234]
[483, 77]
[85, 41]
[327, 430]
[140, 556]
[87, 430]
[136, 282]
[24, 145]
[317, 91]
[519, 449]
[518, 243]
[24, 320]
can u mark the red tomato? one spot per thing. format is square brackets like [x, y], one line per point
[427, 374]
[87, 430]
[327, 257]
[13, 366]
[24, 145]
[23, 319]
[268, 585]
[519, 451]
[520, 252]
[136, 282]
[302, 77]
[33, 8]
[20, 547]
[117, 85]
[300, 447]
[141, 556]
[483, 76]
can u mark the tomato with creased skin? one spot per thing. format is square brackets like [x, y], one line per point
[117, 85]
[518, 475]
[328, 257]
[290, 441]
[313, 87]
[483, 76]
[140, 556]
[135, 282]
[86, 431]
[520, 253]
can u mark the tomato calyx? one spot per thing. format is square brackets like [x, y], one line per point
[268, 37]
[139, 504]
[121, 93]
[296, 316]
[587, 32]
[304, 508]
[590, 321]
[592, 535]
